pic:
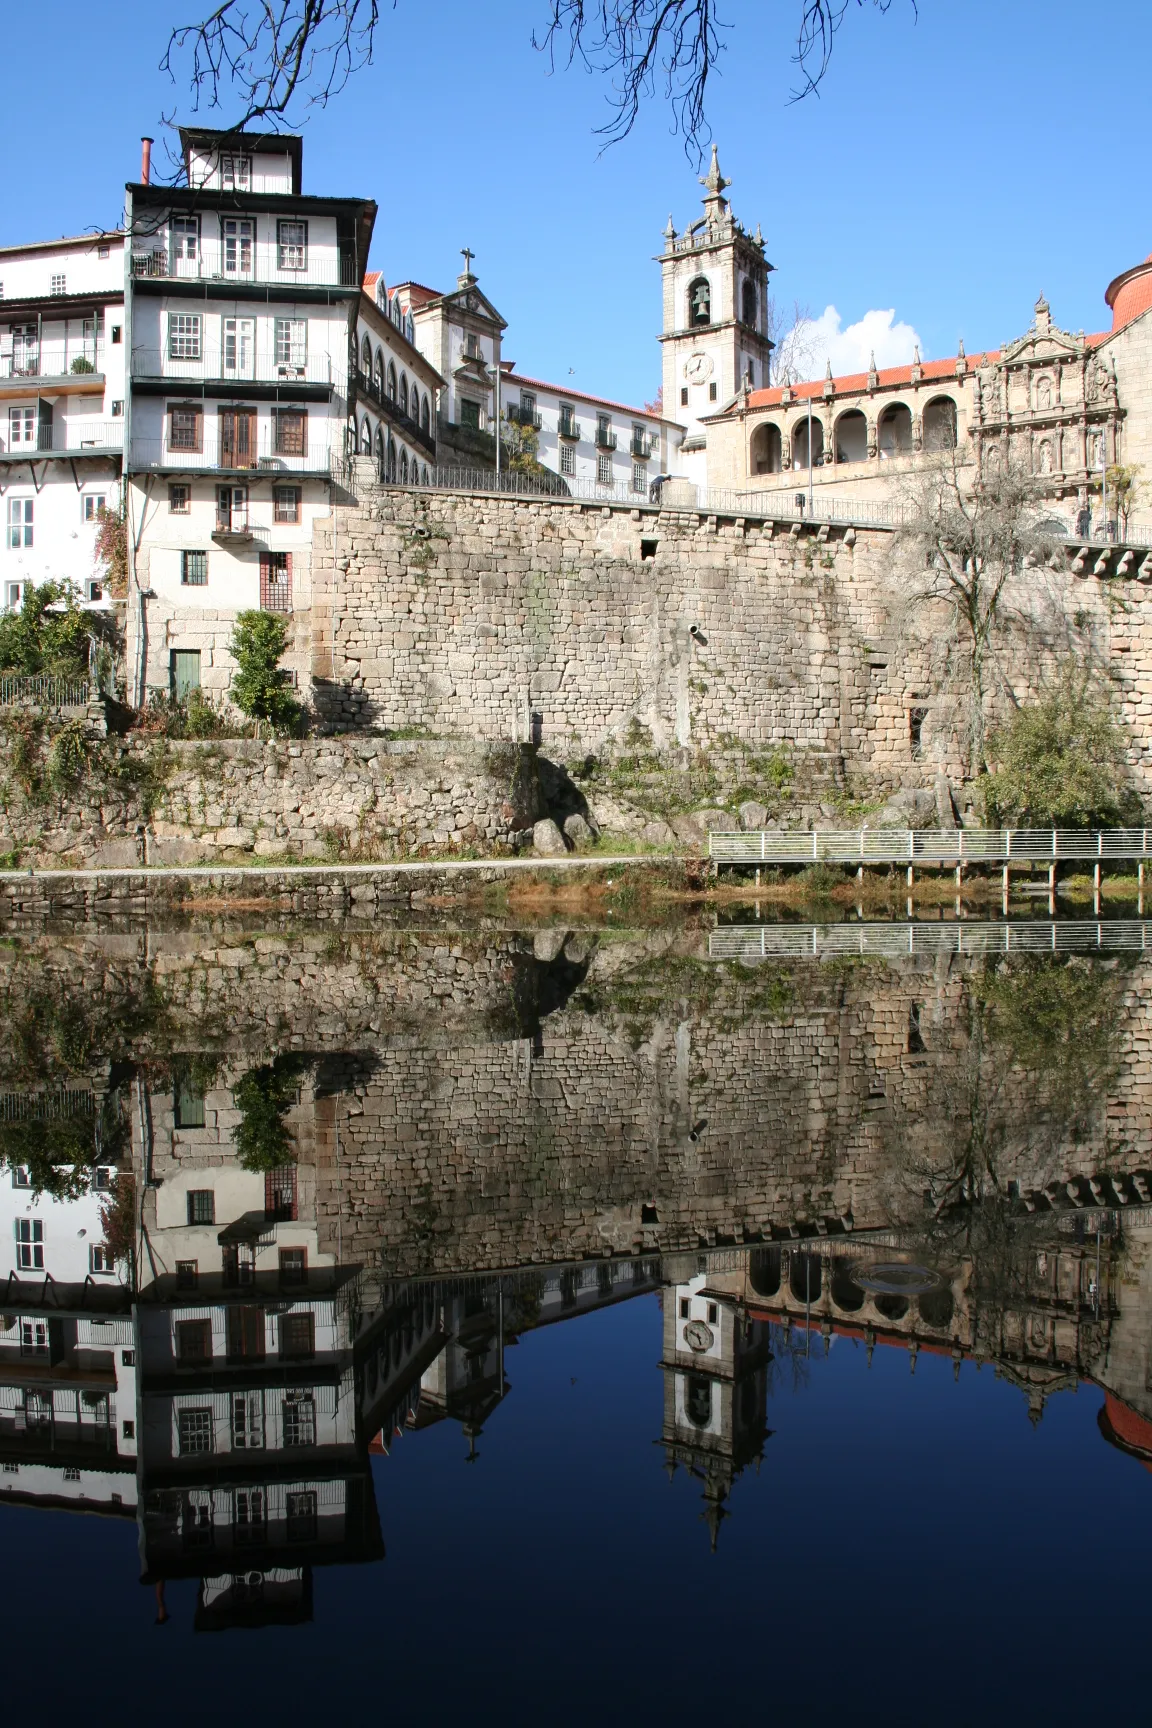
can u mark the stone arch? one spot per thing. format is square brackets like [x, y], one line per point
[940, 424]
[805, 1277]
[378, 373]
[850, 436]
[424, 474]
[767, 449]
[425, 414]
[937, 1307]
[365, 437]
[380, 451]
[403, 392]
[403, 466]
[699, 303]
[392, 385]
[894, 431]
[845, 1291]
[366, 355]
[892, 1307]
[764, 1271]
[800, 442]
[391, 457]
[748, 302]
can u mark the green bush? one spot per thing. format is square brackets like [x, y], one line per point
[49, 634]
[262, 1098]
[260, 687]
[1061, 763]
[82, 364]
[68, 756]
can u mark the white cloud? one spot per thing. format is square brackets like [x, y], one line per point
[819, 340]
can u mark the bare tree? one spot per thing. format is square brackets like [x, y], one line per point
[273, 54]
[794, 351]
[970, 546]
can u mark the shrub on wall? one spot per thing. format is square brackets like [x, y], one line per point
[260, 688]
[1061, 762]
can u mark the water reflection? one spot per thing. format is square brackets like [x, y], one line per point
[277, 1198]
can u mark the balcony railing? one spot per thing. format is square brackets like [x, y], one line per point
[640, 447]
[66, 438]
[251, 364]
[257, 263]
[368, 385]
[260, 457]
[520, 415]
[605, 438]
[55, 360]
[569, 428]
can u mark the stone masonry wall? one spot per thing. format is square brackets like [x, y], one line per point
[468, 615]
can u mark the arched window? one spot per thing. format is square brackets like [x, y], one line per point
[391, 457]
[767, 452]
[698, 1401]
[424, 469]
[851, 437]
[800, 443]
[350, 435]
[846, 1293]
[403, 466]
[424, 415]
[895, 431]
[764, 1271]
[892, 1307]
[936, 1307]
[748, 302]
[940, 424]
[804, 1277]
[699, 303]
[366, 357]
[379, 372]
[380, 451]
[365, 438]
[403, 392]
[391, 380]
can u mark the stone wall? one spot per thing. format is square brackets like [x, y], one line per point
[480, 616]
[152, 802]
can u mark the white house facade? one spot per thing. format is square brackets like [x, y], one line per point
[394, 389]
[590, 439]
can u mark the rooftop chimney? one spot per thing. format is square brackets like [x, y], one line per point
[145, 161]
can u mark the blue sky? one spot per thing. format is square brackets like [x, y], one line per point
[953, 167]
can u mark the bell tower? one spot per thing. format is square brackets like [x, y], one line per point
[715, 328]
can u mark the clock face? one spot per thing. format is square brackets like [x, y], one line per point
[697, 368]
[698, 1335]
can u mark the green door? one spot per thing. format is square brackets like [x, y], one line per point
[185, 672]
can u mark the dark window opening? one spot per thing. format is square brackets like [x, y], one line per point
[916, 719]
[649, 1215]
[916, 1044]
[648, 548]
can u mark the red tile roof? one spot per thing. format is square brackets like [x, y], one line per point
[418, 294]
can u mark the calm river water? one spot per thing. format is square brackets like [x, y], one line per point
[521, 1324]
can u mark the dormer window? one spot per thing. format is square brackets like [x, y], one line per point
[699, 303]
[236, 173]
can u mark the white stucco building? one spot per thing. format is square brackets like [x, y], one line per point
[590, 439]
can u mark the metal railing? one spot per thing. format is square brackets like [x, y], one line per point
[252, 365]
[47, 692]
[931, 846]
[367, 384]
[45, 1106]
[54, 360]
[606, 439]
[521, 416]
[568, 428]
[69, 438]
[257, 263]
[262, 457]
[640, 448]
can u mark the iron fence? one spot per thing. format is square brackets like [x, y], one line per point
[47, 692]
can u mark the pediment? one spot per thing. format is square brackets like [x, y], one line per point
[1042, 347]
[471, 300]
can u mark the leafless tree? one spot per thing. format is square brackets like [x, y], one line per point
[794, 351]
[275, 54]
[969, 544]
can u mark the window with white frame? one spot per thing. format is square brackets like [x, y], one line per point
[184, 336]
[14, 595]
[236, 173]
[247, 1421]
[59, 284]
[232, 509]
[21, 1176]
[21, 427]
[100, 1258]
[300, 1519]
[292, 343]
[249, 1516]
[603, 470]
[30, 1244]
[194, 1432]
[286, 501]
[185, 232]
[179, 500]
[33, 1337]
[567, 459]
[299, 1419]
[291, 245]
[639, 477]
[94, 503]
[20, 522]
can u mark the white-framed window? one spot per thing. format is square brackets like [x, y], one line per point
[238, 237]
[185, 232]
[179, 500]
[239, 347]
[184, 336]
[21, 1176]
[603, 470]
[231, 509]
[93, 503]
[249, 1516]
[33, 1337]
[299, 1418]
[59, 284]
[247, 1421]
[21, 427]
[291, 245]
[292, 342]
[21, 522]
[567, 459]
[94, 589]
[30, 1244]
[194, 1432]
[236, 173]
[14, 595]
[100, 1258]
[639, 477]
[286, 501]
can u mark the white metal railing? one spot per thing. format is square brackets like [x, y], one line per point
[262, 456]
[46, 692]
[251, 262]
[753, 942]
[79, 358]
[930, 846]
[242, 363]
[67, 438]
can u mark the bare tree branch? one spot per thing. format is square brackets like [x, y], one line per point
[268, 53]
